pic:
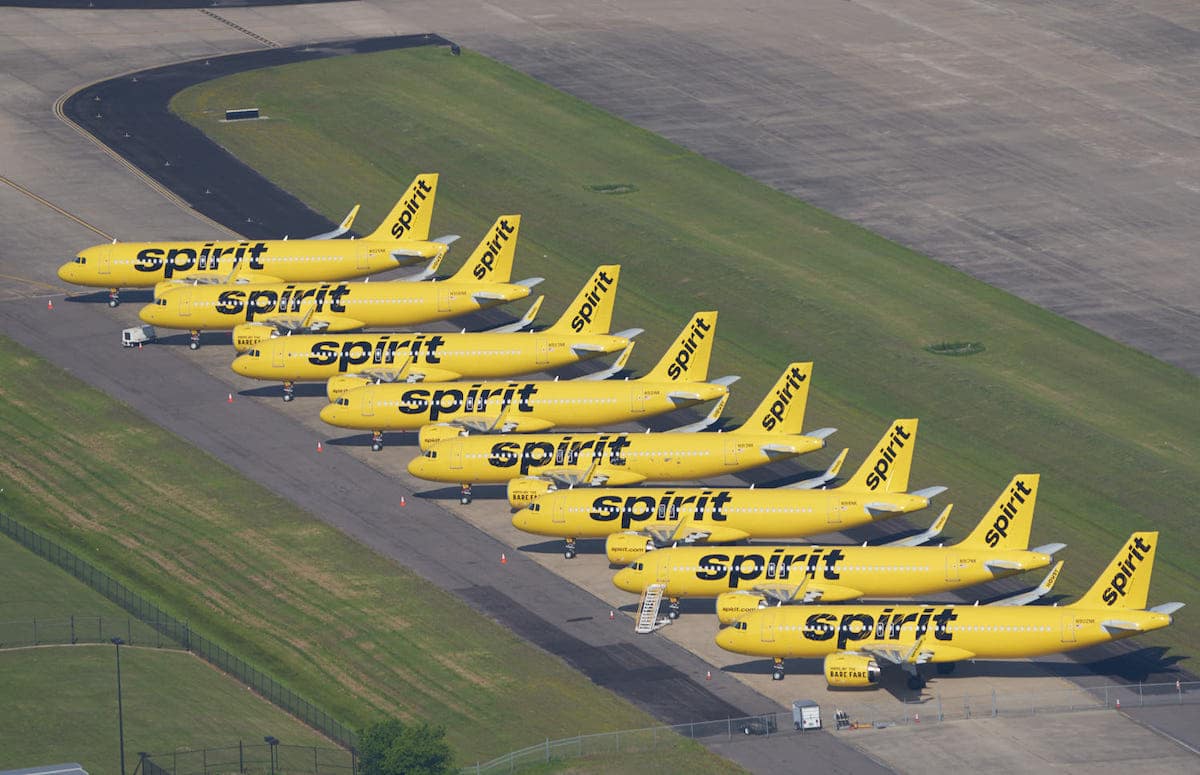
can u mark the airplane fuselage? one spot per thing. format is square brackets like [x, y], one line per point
[521, 406]
[764, 514]
[145, 264]
[954, 632]
[617, 458]
[342, 306]
[837, 572]
[438, 357]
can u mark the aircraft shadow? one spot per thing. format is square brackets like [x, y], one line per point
[364, 440]
[207, 338]
[144, 296]
[302, 390]
[588, 546]
[478, 492]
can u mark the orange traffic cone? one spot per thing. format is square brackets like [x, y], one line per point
[708, 675]
[50, 304]
[503, 559]
[403, 502]
[319, 447]
[230, 399]
[611, 614]
[1118, 703]
[139, 345]
[917, 718]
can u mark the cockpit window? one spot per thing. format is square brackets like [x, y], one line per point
[254, 354]
[343, 401]
[535, 507]
[740, 626]
[80, 260]
[431, 454]
[636, 566]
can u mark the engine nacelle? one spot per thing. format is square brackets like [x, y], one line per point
[624, 548]
[434, 433]
[524, 490]
[343, 383]
[731, 606]
[851, 670]
[246, 335]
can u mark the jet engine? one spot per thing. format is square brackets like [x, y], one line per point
[851, 670]
[526, 489]
[624, 548]
[431, 434]
[343, 383]
[246, 335]
[732, 605]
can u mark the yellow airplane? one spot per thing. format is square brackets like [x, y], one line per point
[678, 381]
[351, 361]
[481, 283]
[402, 239]
[747, 577]
[771, 434]
[856, 639]
[636, 520]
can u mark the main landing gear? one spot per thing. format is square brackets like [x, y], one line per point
[673, 608]
[114, 297]
[915, 681]
[777, 670]
[289, 391]
[194, 340]
[376, 441]
[464, 495]
[569, 549]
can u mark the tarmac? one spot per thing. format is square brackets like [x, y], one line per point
[185, 391]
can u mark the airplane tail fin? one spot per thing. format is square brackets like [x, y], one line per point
[409, 219]
[591, 312]
[1125, 583]
[1007, 523]
[686, 360]
[782, 410]
[492, 260]
[887, 468]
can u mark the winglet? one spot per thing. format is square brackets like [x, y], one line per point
[933, 532]
[341, 229]
[1038, 592]
[518, 325]
[709, 419]
[820, 481]
[603, 374]
[429, 271]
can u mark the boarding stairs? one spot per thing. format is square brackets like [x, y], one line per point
[648, 620]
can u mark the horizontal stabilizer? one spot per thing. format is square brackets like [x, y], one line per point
[630, 333]
[683, 395]
[929, 492]
[1038, 592]
[489, 296]
[726, 381]
[529, 282]
[779, 449]
[1121, 624]
[825, 478]
[446, 239]
[1167, 608]
[882, 507]
[342, 228]
[1050, 549]
[1003, 565]
[933, 532]
[518, 325]
[821, 433]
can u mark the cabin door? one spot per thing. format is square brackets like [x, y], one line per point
[1068, 628]
[364, 257]
[368, 401]
[105, 265]
[952, 568]
[543, 351]
[559, 517]
[185, 303]
[768, 624]
[637, 398]
[732, 451]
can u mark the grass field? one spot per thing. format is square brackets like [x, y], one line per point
[33, 588]
[60, 704]
[340, 625]
[1114, 433]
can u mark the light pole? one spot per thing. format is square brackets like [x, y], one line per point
[120, 709]
[273, 742]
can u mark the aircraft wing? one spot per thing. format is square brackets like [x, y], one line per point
[924, 650]
[617, 365]
[1038, 592]
[689, 532]
[591, 476]
[786, 593]
[342, 228]
[926, 535]
[820, 481]
[504, 423]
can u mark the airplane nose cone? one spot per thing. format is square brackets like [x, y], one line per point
[627, 579]
[330, 413]
[726, 638]
[240, 365]
[149, 314]
[66, 273]
[522, 519]
[417, 467]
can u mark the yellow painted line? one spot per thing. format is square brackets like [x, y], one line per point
[41, 200]
[40, 284]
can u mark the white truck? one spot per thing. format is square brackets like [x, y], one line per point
[133, 337]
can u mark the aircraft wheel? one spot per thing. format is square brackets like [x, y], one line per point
[915, 683]
[946, 668]
[673, 613]
[113, 303]
[376, 446]
[777, 675]
[194, 345]
[288, 396]
[569, 554]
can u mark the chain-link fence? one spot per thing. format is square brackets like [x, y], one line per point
[80, 628]
[180, 632]
[251, 759]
